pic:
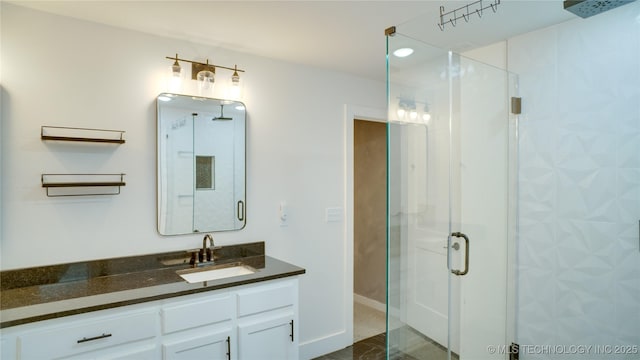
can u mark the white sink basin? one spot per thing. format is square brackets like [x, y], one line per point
[215, 272]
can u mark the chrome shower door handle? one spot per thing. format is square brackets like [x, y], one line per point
[466, 254]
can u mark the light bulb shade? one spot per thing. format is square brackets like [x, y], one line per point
[413, 114]
[234, 88]
[235, 79]
[176, 69]
[175, 78]
[206, 80]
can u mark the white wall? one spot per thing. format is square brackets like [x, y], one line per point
[1, 126]
[579, 262]
[63, 72]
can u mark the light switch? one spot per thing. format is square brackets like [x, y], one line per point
[283, 213]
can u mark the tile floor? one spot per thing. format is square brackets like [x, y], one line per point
[370, 341]
[367, 349]
[367, 322]
[373, 348]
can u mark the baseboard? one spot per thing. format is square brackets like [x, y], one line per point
[325, 345]
[336, 341]
[369, 302]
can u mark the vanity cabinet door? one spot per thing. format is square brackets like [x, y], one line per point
[200, 326]
[271, 338]
[267, 323]
[215, 346]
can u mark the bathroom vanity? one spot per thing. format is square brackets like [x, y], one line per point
[109, 310]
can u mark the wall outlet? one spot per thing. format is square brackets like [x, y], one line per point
[333, 214]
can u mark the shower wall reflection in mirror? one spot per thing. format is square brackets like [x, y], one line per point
[201, 164]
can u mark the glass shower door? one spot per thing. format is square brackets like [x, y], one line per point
[450, 215]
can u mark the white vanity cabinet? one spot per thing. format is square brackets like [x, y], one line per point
[250, 322]
[267, 321]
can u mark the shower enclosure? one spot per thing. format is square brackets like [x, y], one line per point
[451, 204]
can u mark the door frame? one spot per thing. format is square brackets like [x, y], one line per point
[351, 114]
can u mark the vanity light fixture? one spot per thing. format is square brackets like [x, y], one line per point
[407, 112]
[205, 74]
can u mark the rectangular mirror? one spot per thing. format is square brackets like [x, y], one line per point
[201, 164]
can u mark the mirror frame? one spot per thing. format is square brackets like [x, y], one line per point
[240, 208]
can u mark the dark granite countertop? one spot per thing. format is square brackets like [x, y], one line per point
[48, 292]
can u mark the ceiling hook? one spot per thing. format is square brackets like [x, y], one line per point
[466, 16]
[494, 6]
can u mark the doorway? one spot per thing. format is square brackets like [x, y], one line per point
[369, 228]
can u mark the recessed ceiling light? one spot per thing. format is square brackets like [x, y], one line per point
[403, 52]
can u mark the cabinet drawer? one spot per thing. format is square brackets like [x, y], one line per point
[86, 335]
[265, 298]
[198, 312]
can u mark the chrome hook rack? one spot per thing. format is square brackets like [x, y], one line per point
[465, 12]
